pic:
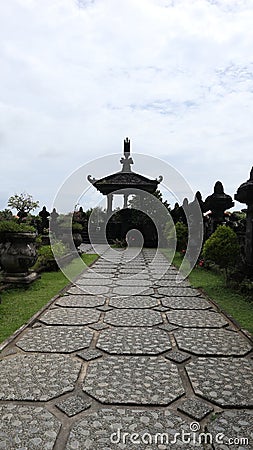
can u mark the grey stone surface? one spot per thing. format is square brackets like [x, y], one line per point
[186, 303]
[135, 301]
[168, 327]
[135, 273]
[75, 290]
[80, 301]
[132, 290]
[178, 291]
[104, 308]
[130, 281]
[225, 381]
[98, 326]
[196, 318]
[171, 283]
[177, 357]
[95, 431]
[93, 290]
[134, 341]
[195, 408]
[55, 339]
[37, 377]
[95, 281]
[146, 380]
[233, 425]
[126, 363]
[70, 316]
[133, 318]
[92, 274]
[160, 308]
[220, 342]
[73, 405]
[89, 355]
[25, 427]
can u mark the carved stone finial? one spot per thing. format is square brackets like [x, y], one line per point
[160, 179]
[127, 146]
[218, 188]
[126, 162]
[91, 179]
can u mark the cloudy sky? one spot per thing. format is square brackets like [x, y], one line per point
[77, 76]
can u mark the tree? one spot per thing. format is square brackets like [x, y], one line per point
[222, 248]
[181, 235]
[23, 203]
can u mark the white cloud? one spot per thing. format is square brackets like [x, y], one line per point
[78, 76]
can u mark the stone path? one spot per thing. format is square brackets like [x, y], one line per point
[128, 358]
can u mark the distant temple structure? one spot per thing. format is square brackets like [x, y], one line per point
[125, 179]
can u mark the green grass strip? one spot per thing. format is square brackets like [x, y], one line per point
[233, 303]
[20, 304]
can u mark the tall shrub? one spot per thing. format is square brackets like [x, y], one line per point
[222, 248]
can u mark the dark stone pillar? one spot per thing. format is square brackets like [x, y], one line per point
[245, 195]
[109, 203]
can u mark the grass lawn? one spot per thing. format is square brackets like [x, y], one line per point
[20, 304]
[234, 304]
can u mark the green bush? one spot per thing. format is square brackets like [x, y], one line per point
[12, 226]
[76, 227]
[222, 248]
[46, 256]
[181, 235]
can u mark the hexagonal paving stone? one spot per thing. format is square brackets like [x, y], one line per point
[233, 424]
[37, 377]
[27, 427]
[73, 405]
[225, 381]
[70, 316]
[171, 283]
[130, 281]
[135, 301]
[80, 301]
[55, 339]
[74, 290]
[196, 319]
[93, 290]
[144, 380]
[195, 408]
[103, 430]
[134, 274]
[186, 303]
[133, 318]
[89, 355]
[132, 290]
[212, 342]
[177, 356]
[95, 281]
[126, 341]
[178, 291]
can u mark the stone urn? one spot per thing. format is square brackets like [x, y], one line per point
[17, 254]
[218, 203]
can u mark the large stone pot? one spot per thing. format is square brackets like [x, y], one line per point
[17, 254]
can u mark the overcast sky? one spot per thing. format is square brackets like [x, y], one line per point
[77, 77]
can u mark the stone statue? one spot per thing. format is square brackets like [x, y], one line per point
[127, 161]
[44, 214]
